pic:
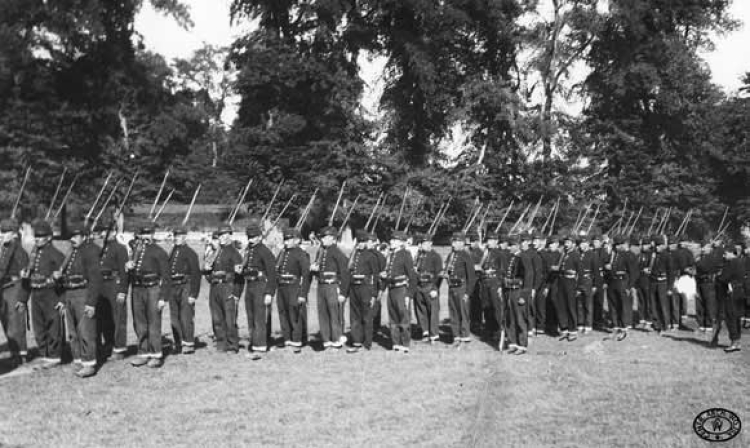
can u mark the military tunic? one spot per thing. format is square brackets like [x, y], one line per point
[365, 269]
[461, 277]
[111, 309]
[293, 269]
[82, 282]
[13, 259]
[427, 308]
[224, 293]
[518, 282]
[185, 271]
[45, 295]
[333, 281]
[401, 281]
[152, 283]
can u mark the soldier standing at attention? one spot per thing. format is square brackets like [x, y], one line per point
[400, 280]
[600, 251]
[536, 244]
[731, 298]
[518, 284]
[152, 284]
[618, 288]
[48, 306]
[569, 267]
[186, 285]
[461, 276]
[427, 301]
[364, 269]
[13, 313]
[491, 268]
[707, 269]
[476, 311]
[293, 277]
[377, 318]
[658, 280]
[111, 310]
[81, 279]
[643, 284]
[587, 285]
[225, 291]
[546, 316]
[332, 270]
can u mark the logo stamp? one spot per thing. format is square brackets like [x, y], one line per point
[717, 425]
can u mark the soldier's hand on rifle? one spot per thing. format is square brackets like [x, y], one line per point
[238, 269]
[120, 297]
[466, 297]
[608, 266]
[57, 275]
[434, 294]
[89, 311]
[160, 304]
[129, 265]
[342, 299]
[301, 300]
[24, 273]
[521, 301]
[533, 293]
[593, 290]
[191, 301]
[267, 299]
[20, 307]
[406, 301]
[60, 307]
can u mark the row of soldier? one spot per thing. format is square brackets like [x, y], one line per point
[517, 285]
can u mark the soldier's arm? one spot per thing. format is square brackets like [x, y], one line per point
[304, 269]
[528, 273]
[93, 273]
[436, 269]
[162, 262]
[471, 276]
[410, 274]
[20, 260]
[239, 281]
[269, 265]
[343, 272]
[194, 273]
[121, 257]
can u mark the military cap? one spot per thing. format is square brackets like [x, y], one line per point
[493, 235]
[76, 228]
[180, 230]
[41, 228]
[8, 225]
[514, 239]
[474, 236]
[360, 235]
[458, 236]
[146, 229]
[254, 230]
[224, 229]
[635, 241]
[553, 239]
[371, 236]
[583, 239]
[329, 231]
[620, 239]
[399, 235]
[290, 232]
[419, 237]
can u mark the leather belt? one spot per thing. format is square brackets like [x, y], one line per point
[328, 278]
[179, 279]
[512, 283]
[74, 284]
[146, 280]
[108, 274]
[398, 282]
[361, 279]
[425, 279]
[288, 279]
[456, 282]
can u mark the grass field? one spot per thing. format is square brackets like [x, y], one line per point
[643, 391]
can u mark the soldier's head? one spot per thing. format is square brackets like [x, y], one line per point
[706, 246]
[553, 243]
[398, 240]
[8, 230]
[730, 250]
[426, 243]
[538, 240]
[372, 241]
[146, 234]
[225, 234]
[328, 236]
[458, 240]
[292, 237]
[475, 240]
[596, 241]
[635, 244]
[42, 232]
[672, 241]
[568, 242]
[77, 234]
[584, 243]
[493, 240]
[525, 241]
[179, 234]
[659, 243]
[362, 239]
[255, 234]
[514, 243]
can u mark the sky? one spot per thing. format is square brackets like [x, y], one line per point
[728, 63]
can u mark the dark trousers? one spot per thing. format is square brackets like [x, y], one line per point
[660, 304]
[342, 318]
[427, 310]
[399, 315]
[82, 328]
[585, 304]
[360, 314]
[489, 300]
[620, 305]
[705, 305]
[645, 311]
[13, 320]
[476, 319]
[147, 320]
[328, 313]
[566, 304]
[182, 316]
[458, 308]
[518, 313]
[290, 313]
[47, 322]
[500, 307]
[599, 307]
[224, 317]
[112, 319]
[257, 315]
[546, 309]
[732, 307]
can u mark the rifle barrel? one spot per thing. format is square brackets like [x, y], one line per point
[20, 192]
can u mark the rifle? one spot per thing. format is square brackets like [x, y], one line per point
[579, 222]
[723, 218]
[635, 221]
[593, 220]
[338, 201]
[98, 196]
[533, 214]
[549, 214]
[520, 218]
[685, 222]
[192, 203]
[374, 209]
[348, 215]
[413, 214]
[303, 216]
[653, 221]
[473, 217]
[507, 211]
[161, 209]
[439, 217]
[241, 200]
[286, 206]
[57, 192]
[106, 203]
[554, 218]
[121, 208]
[665, 219]
[20, 192]
[270, 204]
[158, 195]
[67, 195]
[401, 210]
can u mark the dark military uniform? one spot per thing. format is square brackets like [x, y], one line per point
[642, 285]
[427, 308]
[185, 271]
[491, 268]
[293, 269]
[333, 280]
[546, 315]
[462, 279]
[538, 266]
[13, 259]
[619, 283]
[111, 310]
[400, 279]
[706, 306]
[377, 314]
[518, 282]
[569, 265]
[586, 284]
[602, 256]
[46, 297]
[476, 307]
[731, 297]
[364, 269]
[658, 281]
[82, 283]
[224, 293]
[152, 283]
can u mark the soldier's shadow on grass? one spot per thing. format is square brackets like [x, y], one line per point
[691, 340]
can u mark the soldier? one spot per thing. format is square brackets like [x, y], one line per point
[152, 284]
[619, 283]
[111, 309]
[427, 300]
[518, 284]
[186, 285]
[13, 312]
[658, 280]
[476, 313]
[331, 268]
[685, 266]
[225, 291]
[364, 269]
[600, 251]
[536, 244]
[707, 269]
[746, 261]
[293, 277]
[461, 277]
[587, 285]
[48, 306]
[379, 250]
[731, 298]
[400, 279]
[568, 268]
[642, 285]
[492, 265]
[81, 279]
[546, 318]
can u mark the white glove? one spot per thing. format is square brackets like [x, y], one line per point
[433, 294]
[267, 299]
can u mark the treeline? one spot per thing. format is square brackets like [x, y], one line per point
[79, 90]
